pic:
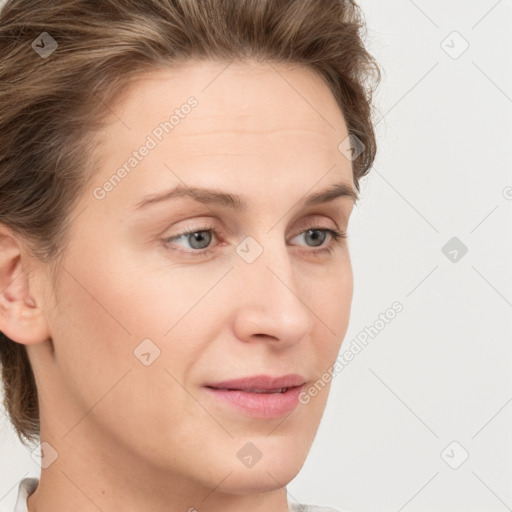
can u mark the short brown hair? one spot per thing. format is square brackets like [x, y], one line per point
[51, 107]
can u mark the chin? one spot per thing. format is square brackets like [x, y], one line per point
[263, 479]
[279, 464]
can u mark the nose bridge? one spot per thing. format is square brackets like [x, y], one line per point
[270, 300]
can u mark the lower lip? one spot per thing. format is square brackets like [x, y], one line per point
[260, 405]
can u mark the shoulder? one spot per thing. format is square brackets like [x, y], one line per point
[26, 487]
[295, 507]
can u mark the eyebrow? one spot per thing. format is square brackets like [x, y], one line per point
[240, 203]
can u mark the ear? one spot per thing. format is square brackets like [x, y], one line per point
[21, 318]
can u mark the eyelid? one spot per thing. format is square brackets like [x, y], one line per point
[337, 237]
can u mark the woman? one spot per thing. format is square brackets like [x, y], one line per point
[176, 182]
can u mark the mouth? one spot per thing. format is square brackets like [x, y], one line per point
[281, 390]
[260, 396]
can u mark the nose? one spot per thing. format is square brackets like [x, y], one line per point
[273, 299]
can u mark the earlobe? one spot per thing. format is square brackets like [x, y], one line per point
[21, 318]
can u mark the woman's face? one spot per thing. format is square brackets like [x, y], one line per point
[146, 318]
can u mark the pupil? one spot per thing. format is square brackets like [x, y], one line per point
[316, 240]
[198, 236]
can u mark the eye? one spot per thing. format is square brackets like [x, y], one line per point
[199, 239]
[318, 234]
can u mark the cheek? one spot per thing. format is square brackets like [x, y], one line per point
[100, 321]
[90, 334]
[331, 303]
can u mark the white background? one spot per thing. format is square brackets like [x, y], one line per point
[441, 370]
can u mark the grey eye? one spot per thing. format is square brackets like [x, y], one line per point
[199, 239]
[316, 236]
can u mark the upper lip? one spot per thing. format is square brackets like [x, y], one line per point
[260, 382]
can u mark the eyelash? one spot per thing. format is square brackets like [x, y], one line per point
[337, 238]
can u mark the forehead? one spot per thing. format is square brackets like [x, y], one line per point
[250, 121]
[242, 97]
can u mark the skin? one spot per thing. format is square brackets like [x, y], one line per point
[135, 437]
